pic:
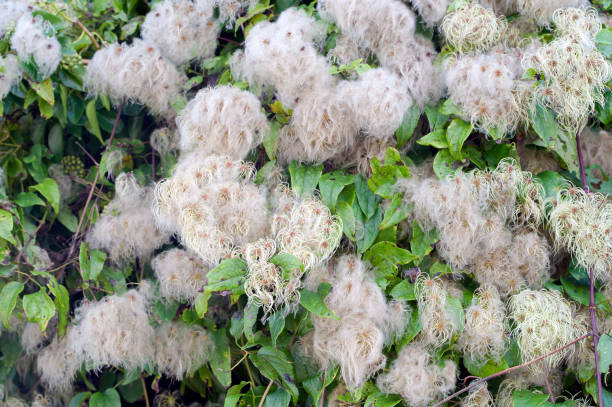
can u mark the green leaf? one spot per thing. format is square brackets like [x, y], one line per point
[304, 179]
[228, 275]
[367, 230]
[412, 329]
[368, 201]
[62, 304]
[603, 39]
[201, 303]
[55, 140]
[50, 191]
[220, 362]
[27, 199]
[449, 108]
[277, 324]
[455, 311]
[395, 213]
[404, 291]
[92, 118]
[552, 183]
[384, 177]
[79, 399]
[525, 398]
[8, 300]
[457, 132]
[581, 293]
[409, 123]
[270, 140]
[436, 119]
[96, 263]
[604, 112]
[552, 138]
[330, 186]
[483, 369]
[276, 364]
[314, 303]
[379, 399]
[278, 398]
[109, 398]
[444, 165]
[44, 89]
[421, 243]
[6, 226]
[232, 397]
[345, 211]
[39, 308]
[250, 319]
[435, 139]
[385, 257]
[67, 218]
[604, 348]
[46, 110]
[290, 264]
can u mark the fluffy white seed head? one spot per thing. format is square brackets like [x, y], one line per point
[212, 204]
[57, 365]
[471, 27]
[366, 323]
[222, 120]
[542, 10]
[114, 331]
[33, 39]
[135, 72]
[379, 99]
[575, 79]
[431, 11]
[484, 336]
[10, 12]
[439, 325]
[479, 396]
[418, 378]
[282, 56]
[126, 229]
[581, 223]
[543, 323]
[229, 10]
[309, 231]
[182, 30]
[386, 29]
[181, 274]
[483, 86]
[580, 23]
[181, 349]
[596, 149]
[164, 140]
[10, 74]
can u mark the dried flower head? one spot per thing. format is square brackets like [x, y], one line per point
[543, 323]
[222, 120]
[471, 27]
[181, 274]
[10, 74]
[182, 30]
[136, 72]
[181, 349]
[439, 323]
[127, 227]
[418, 378]
[31, 41]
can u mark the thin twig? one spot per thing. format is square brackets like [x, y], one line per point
[548, 388]
[144, 390]
[263, 398]
[322, 397]
[93, 186]
[87, 153]
[87, 32]
[510, 369]
[591, 284]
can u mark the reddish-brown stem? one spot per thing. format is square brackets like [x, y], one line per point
[548, 388]
[510, 369]
[591, 283]
[322, 398]
[93, 185]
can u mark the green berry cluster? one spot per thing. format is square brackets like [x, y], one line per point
[73, 166]
[71, 61]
